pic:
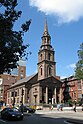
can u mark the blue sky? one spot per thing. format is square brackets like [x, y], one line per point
[65, 26]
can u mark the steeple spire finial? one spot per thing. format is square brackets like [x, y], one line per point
[46, 26]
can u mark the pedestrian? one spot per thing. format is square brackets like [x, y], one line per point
[61, 108]
[52, 107]
[75, 107]
[21, 107]
[58, 107]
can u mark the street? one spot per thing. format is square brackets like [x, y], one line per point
[47, 118]
[37, 119]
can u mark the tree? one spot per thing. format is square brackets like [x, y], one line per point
[79, 64]
[66, 94]
[11, 42]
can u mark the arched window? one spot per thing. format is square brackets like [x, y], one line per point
[41, 71]
[41, 56]
[44, 39]
[50, 71]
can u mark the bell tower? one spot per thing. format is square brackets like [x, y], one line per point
[46, 62]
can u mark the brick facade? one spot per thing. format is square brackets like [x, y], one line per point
[73, 88]
[8, 80]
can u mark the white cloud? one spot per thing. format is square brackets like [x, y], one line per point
[71, 66]
[62, 77]
[66, 76]
[65, 10]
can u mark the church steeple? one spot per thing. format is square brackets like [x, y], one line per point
[46, 62]
[46, 37]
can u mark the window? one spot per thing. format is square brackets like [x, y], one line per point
[1, 90]
[79, 86]
[41, 71]
[35, 89]
[44, 40]
[74, 95]
[41, 56]
[12, 94]
[18, 92]
[49, 70]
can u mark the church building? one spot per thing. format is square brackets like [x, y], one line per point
[43, 87]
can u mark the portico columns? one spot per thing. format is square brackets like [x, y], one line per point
[55, 94]
[46, 95]
[60, 95]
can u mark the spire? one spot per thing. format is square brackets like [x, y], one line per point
[45, 28]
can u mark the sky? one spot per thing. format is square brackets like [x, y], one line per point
[65, 26]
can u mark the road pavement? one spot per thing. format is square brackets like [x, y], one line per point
[50, 117]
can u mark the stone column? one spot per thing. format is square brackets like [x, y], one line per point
[20, 94]
[46, 95]
[55, 94]
[60, 95]
[24, 96]
[40, 94]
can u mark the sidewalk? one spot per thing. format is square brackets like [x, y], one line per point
[56, 111]
[72, 117]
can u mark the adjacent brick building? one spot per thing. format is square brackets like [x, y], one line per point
[72, 89]
[6, 80]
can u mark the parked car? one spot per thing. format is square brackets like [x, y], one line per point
[27, 109]
[11, 114]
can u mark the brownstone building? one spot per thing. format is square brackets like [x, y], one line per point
[72, 89]
[43, 87]
[6, 80]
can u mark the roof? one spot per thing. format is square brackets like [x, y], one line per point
[53, 77]
[51, 81]
[24, 80]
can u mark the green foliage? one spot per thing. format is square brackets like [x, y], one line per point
[66, 92]
[79, 64]
[11, 42]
